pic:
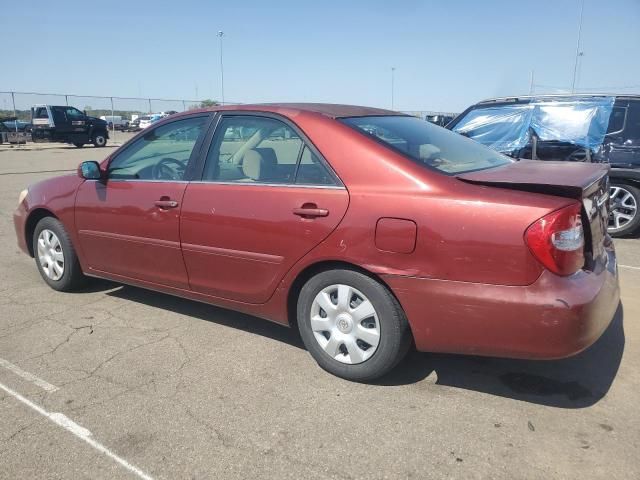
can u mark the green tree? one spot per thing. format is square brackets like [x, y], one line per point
[209, 103]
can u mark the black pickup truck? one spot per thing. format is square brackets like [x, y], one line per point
[578, 128]
[53, 123]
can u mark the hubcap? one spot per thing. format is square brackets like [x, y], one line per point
[50, 254]
[345, 324]
[623, 208]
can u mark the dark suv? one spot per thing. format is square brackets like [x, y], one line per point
[53, 123]
[584, 128]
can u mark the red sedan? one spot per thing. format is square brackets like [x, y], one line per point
[368, 229]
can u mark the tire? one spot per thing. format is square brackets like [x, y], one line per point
[71, 277]
[99, 139]
[79, 145]
[625, 203]
[393, 333]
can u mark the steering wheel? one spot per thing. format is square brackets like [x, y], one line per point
[579, 155]
[168, 169]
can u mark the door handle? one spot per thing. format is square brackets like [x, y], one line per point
[166, 204]
[310, 211]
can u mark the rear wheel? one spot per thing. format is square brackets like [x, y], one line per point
[79, 145]
[352, 325]
[99, 139]
[55, 256]
[624, 218]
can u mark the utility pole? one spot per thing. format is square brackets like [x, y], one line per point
[220, 35]
[393, 70]
[578, 52]
[531, 83]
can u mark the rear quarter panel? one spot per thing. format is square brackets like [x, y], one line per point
[465, 232]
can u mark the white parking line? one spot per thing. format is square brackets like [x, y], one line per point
[629, 266]
[79, 431]
[30, 377]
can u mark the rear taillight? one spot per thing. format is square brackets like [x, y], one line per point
[557, 240]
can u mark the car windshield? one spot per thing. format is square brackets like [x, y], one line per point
[428, 144]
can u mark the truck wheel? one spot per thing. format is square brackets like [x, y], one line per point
[99, 139]
[624, 218]
[79, 145]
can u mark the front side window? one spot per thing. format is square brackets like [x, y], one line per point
[73, 113]
[428, 144]
[161, 154]
[253, 150]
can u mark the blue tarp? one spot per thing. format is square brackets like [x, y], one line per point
[505, 128]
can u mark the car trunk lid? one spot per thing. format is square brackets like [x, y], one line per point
[585, 182]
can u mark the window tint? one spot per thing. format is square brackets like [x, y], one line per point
[616, 120]
[162, 154]
[253, 149]
[632, 130]
[428, 144]
[73, 113]
[311, 170]
[41, 112]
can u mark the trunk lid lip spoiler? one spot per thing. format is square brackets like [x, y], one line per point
[577, 180]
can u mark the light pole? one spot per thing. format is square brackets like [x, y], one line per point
[578, 52]
[393, 70]
[220, 35]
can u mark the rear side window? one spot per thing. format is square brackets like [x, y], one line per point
[616, 121]
[427, 144]
[41, 112]
[311, 170]
[632, 130]
[251, 149]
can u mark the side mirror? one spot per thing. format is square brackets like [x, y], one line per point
[89, 171]
[85, 112]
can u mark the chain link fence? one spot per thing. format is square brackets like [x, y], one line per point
[19, 104]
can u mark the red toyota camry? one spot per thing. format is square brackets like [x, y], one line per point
[368, 229]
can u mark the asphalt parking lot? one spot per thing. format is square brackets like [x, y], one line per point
[119, 382]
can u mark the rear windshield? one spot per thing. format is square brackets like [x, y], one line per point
[428, 144]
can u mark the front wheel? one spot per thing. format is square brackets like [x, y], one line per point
[624, 218]
[55, 256]
[99, 139]
[352, 325]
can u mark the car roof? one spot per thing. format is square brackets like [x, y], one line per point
[331, 110]
[577, 96]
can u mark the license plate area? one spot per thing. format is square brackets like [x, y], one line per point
[595, 219]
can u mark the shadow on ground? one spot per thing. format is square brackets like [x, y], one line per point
[206, 312]
[575, 382]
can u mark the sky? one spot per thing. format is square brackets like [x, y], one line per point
[447, 55]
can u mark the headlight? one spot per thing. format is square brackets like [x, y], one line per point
[22, 196]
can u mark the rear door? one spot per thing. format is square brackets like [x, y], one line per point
[266, 197]
[624, 142]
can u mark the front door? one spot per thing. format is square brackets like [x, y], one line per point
[129, 224]
[266, 198]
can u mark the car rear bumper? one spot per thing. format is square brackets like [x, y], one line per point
[19, 221]
[555, 317]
